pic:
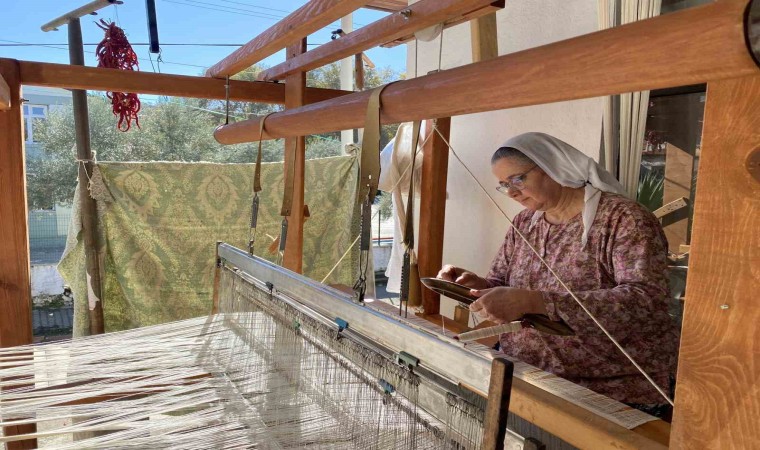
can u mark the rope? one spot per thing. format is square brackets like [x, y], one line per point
[564, 286]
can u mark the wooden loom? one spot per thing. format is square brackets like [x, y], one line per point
[706, 44]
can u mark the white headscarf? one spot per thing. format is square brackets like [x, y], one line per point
[569, 167]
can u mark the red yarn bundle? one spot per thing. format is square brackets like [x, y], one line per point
[115, 52]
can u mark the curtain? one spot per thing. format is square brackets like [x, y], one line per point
[625, 116]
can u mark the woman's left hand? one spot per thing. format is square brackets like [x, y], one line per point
[505, 304]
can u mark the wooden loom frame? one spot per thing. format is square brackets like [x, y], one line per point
[703, 44]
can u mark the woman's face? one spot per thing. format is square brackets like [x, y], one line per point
[539, 191]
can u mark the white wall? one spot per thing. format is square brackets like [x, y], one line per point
[46, 280]
[474, 227]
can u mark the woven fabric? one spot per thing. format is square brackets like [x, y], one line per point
[158, 224]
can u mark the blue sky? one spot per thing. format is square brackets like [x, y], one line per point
[179, 22]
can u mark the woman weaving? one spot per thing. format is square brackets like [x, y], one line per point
[609, 250]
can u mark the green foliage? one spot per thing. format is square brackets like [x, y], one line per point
[172, 129]
[328, 77]
[651, 189]
[45, 302]
[385, 205]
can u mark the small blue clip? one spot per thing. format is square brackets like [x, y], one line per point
[342, 324]
[387, 387]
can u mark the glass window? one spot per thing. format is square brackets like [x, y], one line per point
[33, 114]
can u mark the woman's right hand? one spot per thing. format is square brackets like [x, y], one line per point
[462, 276]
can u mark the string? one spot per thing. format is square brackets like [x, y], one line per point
[551, 270]
[395, 185]
[260, 373]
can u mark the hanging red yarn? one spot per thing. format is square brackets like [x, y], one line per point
[114, 52]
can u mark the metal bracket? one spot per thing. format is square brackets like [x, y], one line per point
[387, 387]
[407, 360]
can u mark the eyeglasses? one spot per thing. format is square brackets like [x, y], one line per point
[516, 182]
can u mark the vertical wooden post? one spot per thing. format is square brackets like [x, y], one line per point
[295, 86]
[484, 40]
[5, 95]
[217, 280]
[435, 166]
[497, 410]
[359, 72]
[15, 284]
[717, 401]
[87, 203]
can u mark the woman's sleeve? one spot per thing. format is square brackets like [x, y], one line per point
[497, 274]
[637, 254]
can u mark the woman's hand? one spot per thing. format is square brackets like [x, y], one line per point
[506, 304]
[462, 276]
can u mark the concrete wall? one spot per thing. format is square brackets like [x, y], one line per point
[474, 227]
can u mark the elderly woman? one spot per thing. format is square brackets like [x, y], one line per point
[609, 250]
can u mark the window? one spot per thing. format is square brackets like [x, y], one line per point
[671, 156]
[33, 114]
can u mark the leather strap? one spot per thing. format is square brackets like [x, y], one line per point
[257, 172]
[290, 175]
[369, 170]
[411, 283]
[409, 229]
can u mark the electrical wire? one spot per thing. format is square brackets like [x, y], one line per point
[92, 53]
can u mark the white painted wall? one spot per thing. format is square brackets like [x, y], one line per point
[474, 227]
[46, 280]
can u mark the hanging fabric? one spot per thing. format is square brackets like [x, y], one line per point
[395, 176]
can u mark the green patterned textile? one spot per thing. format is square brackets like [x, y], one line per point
[159, 223]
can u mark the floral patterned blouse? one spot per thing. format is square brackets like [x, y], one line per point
[620, 277]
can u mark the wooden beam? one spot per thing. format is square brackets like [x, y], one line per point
[82, 11]
[484, 36]
[295, 85]
[100, 79]
[422, 14]
[497, 410]
[387, 5]
[15, 283]
[5, 95]
[472, 15]
[717, 393]
[15, 287]
[696, 44]
[435, 166]
[311, 17]
[572, 423]
[88, 208]
[359, 72]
